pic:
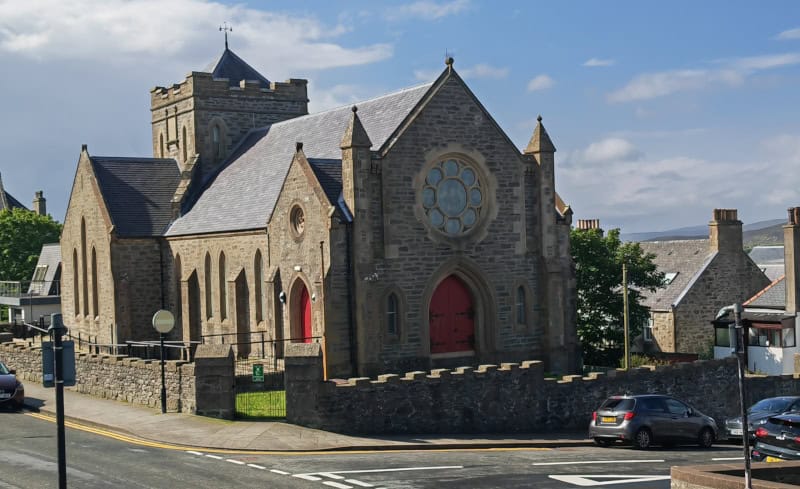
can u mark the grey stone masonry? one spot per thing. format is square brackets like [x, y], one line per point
[214, 384]
[502, 398]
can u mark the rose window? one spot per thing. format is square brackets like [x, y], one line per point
[452, 197]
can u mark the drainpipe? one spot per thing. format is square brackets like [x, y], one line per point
[351, 303]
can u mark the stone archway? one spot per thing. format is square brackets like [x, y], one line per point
[195, 318]
[242, 302]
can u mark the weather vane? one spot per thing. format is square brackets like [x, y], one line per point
[224, 28]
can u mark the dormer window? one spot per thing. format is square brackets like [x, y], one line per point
[669, 277]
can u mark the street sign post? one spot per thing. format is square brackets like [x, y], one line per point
[163, 322]
[48, 363]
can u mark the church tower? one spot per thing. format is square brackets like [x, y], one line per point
[210, 111]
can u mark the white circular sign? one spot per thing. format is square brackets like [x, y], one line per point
[163, 321]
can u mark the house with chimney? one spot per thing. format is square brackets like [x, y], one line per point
[700, 277]
[770, 315]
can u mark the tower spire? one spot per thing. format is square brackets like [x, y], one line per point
[224, 28]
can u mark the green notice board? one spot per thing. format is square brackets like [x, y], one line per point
[258, 372]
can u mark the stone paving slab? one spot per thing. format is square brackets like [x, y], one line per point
[203, 432]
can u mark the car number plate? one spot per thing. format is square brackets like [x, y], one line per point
[736, 432]
[4, 395]
[608, 419]
[773, 459]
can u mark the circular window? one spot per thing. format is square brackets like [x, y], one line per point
[298, 220]
[452, 197]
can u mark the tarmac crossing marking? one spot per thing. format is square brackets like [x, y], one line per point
[237, 462]
[337, 485]
[633, 461]
[280, 472]
[257, 466]
[590, 480]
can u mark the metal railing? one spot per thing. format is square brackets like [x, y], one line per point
[265, 347]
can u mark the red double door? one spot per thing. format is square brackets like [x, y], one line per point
[452, 317]
[305, 316]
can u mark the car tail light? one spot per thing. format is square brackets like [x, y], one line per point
[594, 415]
[628, 415]
[761, 433]
[797, 439]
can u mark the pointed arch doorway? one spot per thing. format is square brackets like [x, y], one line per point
[452, 318]
[301, 314]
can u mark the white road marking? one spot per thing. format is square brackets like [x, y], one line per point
[400, 469]
[306, 477]
[237, 462]
[358, 483]
[280, 472]
[213, 456]
[727, 458]
[635, 461]
[330, 475]
[337, 485]
[194, 453]
[588, 480]
[257, 466]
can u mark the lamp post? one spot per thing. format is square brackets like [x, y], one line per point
[163, 322]
[737, 342]
[57, 330]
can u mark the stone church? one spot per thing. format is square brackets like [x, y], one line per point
[402, 232]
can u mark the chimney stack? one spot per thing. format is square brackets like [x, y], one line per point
[725, 231]
[39, 204]
[586, 224]
[791, 259]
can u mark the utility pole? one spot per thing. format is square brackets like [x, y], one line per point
[57, 330]
[625, 316]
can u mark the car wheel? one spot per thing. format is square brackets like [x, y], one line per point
[642, 439]
[706, 438]
[603, 442]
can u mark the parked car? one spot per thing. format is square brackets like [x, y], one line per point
[12, 392]
[646, 420]
[758, 414]
[778, 439]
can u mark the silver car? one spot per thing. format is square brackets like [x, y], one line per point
[650, 419]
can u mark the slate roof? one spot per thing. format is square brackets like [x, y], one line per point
[138, 193]
[234, 69]
[687, 258]
[50, 256]
[329, 174]
[243, 194]
[772, 296]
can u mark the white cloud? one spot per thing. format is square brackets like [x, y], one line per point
[113, 29]
[427, 10]
[426, 75]
[608, 150]
[541, 82]
[733, 72]
[599, 62]
[335, 96]
[484, 71]
[789, 34]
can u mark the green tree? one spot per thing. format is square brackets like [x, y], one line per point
[598, 268]
[22, 234]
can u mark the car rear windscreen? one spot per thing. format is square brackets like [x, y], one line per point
[616, 404]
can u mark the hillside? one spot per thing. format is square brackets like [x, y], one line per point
[756, 234]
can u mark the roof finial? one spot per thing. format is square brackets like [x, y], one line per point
[224, 27]
[448, 60]
[539, 118]
[355, 109]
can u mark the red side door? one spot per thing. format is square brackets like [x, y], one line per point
[305, 316]
[452, 317]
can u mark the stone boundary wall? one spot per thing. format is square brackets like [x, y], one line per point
[506, 399]
[119, 378]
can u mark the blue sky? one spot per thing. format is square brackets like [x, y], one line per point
[661, 111]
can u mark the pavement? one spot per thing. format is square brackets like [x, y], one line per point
[193, 431]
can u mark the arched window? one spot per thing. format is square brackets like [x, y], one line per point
[84, 277]
[258, 267]
[75, 282]
[216, 143]
[520, 306]
[178, 296]
[207, 277]
[223, 290]
[185, 145]
[392, 315]
[95, 300]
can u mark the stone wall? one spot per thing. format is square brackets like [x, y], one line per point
[113, 377]
[505, 399]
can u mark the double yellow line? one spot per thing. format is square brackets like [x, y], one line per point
[184, 448]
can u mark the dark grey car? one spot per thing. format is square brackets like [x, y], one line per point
[758, 414]
[650, 419]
